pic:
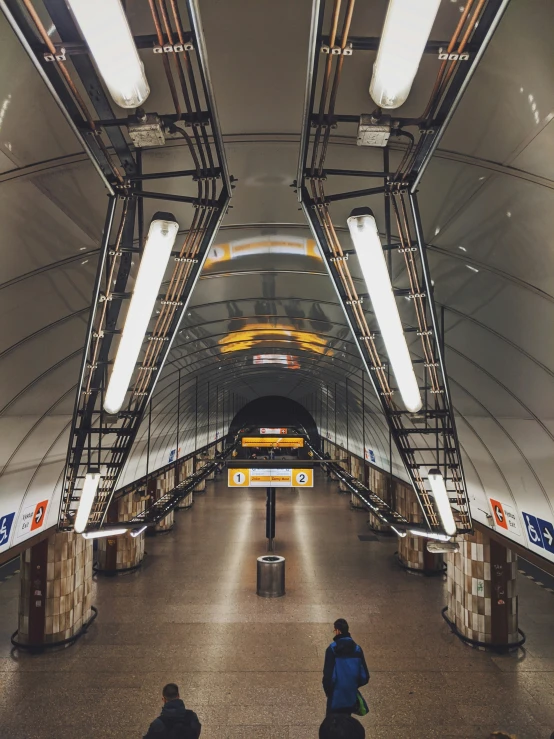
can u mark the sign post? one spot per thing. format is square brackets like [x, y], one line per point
[270, 519]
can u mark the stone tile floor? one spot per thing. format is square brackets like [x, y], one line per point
[251, 668]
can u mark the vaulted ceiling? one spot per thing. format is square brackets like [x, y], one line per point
[264, 318]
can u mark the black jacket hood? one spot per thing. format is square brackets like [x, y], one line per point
[174, 709]
[345, 645]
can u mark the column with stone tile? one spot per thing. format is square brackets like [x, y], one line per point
[412, 550]
[199, 462]
[125, 552]
[56, 589]
[164, 484]
[182, 472]
[482, 590]
[378, 483]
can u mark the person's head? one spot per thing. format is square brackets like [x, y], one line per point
[341, 627]
[170, 692]
[503, 735]
[340, 726]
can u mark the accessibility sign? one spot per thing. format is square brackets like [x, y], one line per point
[274, 478]
[533, 529]
[5, 528]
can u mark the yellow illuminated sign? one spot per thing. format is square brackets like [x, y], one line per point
[273, 244]
[263, 333]
[263, 478]
[290, 442]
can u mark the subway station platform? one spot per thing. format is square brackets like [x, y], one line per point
[251, 667]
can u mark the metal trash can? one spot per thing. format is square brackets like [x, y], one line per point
[271, 576]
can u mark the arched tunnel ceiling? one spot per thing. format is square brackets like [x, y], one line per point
[487, 209]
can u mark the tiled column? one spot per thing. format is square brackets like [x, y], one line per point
[56, 589]
[184, 471]
[344, 463]
[122, 552]
[358, 473]
[482, 590]
[379, 484]
[201, 487]
[163, 485]
[412, 550]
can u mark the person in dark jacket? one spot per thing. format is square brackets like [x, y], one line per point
[175, 721]
[339, 726]
[344, 671]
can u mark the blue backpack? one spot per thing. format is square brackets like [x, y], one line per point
[348, 675]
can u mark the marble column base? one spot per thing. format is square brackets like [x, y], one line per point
[482, 590]
[56, 589]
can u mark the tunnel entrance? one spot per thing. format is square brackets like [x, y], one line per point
[275, 411]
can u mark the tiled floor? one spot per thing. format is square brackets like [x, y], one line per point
[251, 667]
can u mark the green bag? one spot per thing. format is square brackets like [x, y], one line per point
[361, 705]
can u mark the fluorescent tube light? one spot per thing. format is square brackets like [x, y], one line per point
[105, 28]
[429, 534]
[365, 237]
[157, 250]
[138, 532]
[407, 28]
[436, 480]
[401, 534]
[103, 532]
[92, 480]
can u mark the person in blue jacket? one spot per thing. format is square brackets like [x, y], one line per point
[344, 671]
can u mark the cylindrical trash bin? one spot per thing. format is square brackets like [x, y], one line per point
[271, 576]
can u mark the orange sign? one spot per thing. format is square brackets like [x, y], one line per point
[498, 513]
[39, 514]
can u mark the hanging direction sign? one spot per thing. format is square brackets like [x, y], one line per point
[270, 478]
[291, 442]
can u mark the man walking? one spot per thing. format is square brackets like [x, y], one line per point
[175, 721]
[344, 671]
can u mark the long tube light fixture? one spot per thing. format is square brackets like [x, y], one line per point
[138, 532]
[438, 488]
[408, 24]
[369, 250]
[103, 532]
[429, 534]
[105, 28]
[157, 250]
[92, 480]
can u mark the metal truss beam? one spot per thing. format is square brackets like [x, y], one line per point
[96, 439]
[428, 438]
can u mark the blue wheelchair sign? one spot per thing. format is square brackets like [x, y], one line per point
[5, 528]
[533, 530]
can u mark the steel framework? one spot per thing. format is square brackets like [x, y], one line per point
[63, 60]
[428, 438]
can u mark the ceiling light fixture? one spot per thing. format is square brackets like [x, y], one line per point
[438, 487]
[429, 535]
[157, 250]
[365, 237]
[407, 28]
[138, 532]
[103, 532]
[88, 494]
[401, 534]
[105, 28]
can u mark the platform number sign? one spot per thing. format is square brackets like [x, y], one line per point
[539, 531]
[303, 478]
[239, 478]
